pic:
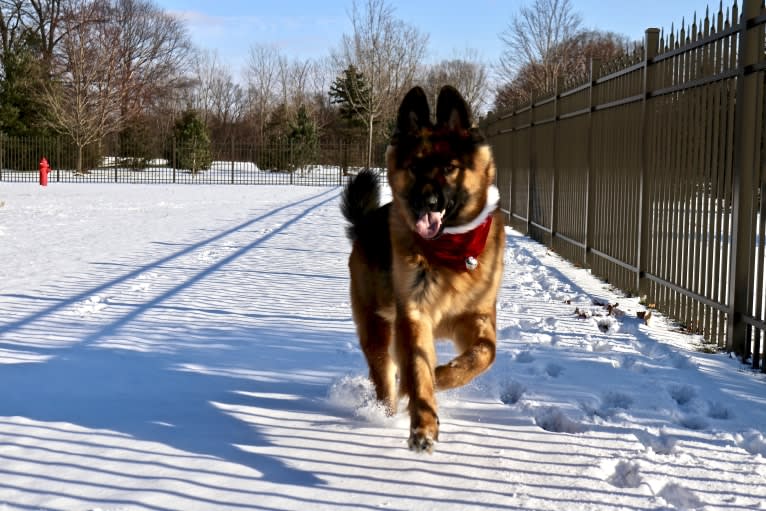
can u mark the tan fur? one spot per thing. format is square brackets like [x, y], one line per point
[399, 320]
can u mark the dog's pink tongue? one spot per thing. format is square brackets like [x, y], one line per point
[429, 224]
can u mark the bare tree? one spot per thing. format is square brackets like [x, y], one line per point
[30, 25]
[29, 29]
[44, 18]
[320, 76]
[205, 67]
[575, 55]
[227, 103]
[466, 72]
[284, 79]
[81, 101]
[593, 44]
[387, 52]
[154, 51]
[114, 60]
[35, 22]
[214, 94]
[262, 77]
[519, 90]
[535, 37]
[11, 27]
[300, 81]
[293, 79]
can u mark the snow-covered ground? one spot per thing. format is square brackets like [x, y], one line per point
[191, 348]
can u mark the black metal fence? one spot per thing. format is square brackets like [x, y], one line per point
[652, 172]
[233, 162]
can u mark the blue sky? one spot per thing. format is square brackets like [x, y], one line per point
[311, 28]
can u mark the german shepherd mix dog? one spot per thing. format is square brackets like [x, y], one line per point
[427, 265]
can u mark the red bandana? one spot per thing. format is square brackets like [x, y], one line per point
[459, 252]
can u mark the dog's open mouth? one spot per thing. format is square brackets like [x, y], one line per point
[429, 225]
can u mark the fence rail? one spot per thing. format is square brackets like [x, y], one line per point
[228, 163]
[653, 175]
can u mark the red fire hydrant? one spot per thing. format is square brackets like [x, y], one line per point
[44, 169]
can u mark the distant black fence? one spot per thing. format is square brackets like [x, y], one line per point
[283, 162]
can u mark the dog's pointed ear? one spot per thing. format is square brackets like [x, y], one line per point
[414, 113]
[451, 110]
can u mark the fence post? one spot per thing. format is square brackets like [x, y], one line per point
[58, 159]
[589, 218]
[2, 154]
[556, 157]
[532, 162]
[742, 207]
[509, 155]
[232, 160]
[173, 159]
[651, 46]
[290, 165]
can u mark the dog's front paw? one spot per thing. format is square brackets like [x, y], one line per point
[421, 442]
[422, 437]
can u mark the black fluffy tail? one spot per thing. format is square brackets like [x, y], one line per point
[361, 197]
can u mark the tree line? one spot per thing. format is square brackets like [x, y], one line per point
[126, 71]
[546, 41]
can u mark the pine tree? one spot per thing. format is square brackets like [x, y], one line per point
[275, 156]
[352, 93]
[193, 142]
[303, 138]
[19, 84]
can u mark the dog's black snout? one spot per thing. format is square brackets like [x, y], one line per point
[432, 202]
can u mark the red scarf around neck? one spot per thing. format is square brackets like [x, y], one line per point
[458, 251]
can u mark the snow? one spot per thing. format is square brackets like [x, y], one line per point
[191, 347]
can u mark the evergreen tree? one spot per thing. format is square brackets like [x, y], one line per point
[193, 142]
[276, 155]
[352, 93]
[19, 87]
[303, 139]
[137, 144]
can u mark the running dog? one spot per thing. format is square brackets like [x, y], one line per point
[426, 266]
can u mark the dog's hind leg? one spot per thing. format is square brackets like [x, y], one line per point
[375, 339]
[474, 336]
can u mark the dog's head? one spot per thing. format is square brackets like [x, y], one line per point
[439, 173]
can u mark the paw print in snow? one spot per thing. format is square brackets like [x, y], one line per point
[92, 305]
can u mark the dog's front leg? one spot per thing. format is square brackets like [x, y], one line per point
[474, 335]
[417, 358]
